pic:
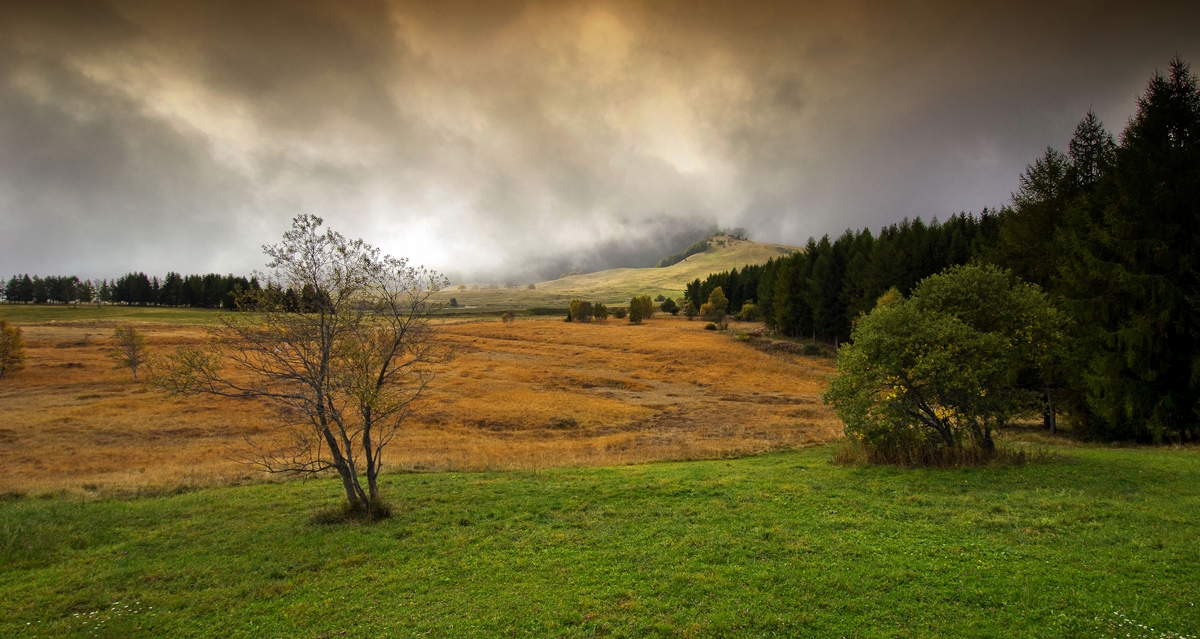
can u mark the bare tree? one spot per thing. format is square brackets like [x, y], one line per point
[129, 349]
[343, 361]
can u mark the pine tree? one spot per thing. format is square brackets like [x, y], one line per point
[1133, 271]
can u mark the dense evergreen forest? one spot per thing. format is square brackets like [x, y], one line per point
[199, 291]
[1111, 230]
[818, 292]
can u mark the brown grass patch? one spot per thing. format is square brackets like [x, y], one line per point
[526, 395]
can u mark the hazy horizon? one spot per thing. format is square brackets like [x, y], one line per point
[515, 140]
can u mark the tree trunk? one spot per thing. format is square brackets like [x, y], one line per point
[986, 442]
[1049, 419]
[372, 461]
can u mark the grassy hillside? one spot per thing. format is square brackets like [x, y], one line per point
[781, 545]
[614, 286]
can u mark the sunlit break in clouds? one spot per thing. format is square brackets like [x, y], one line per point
[521, 139]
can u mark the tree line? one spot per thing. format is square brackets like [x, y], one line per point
[198, 291]
[1108, 230]
[818, 291]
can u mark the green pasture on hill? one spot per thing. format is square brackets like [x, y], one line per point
[616, 286]
[1101, 544]
[84, 313]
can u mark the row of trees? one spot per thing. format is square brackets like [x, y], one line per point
[1108, 233]
[200, 291]
[819, 291]
[1112, 231]
[640, 307]
[585, 311]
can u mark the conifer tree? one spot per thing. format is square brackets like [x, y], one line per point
[1132, 268]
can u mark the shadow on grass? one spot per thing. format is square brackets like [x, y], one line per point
[855, 453]
[375, 511]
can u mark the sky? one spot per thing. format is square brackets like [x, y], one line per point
[516, 140]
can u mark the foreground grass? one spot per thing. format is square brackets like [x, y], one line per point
[780, 545]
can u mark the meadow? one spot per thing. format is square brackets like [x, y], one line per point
[531, 394]
[1099, 543]
[542, 491]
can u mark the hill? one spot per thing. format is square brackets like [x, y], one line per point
[617, 285]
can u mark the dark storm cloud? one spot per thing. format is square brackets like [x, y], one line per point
[512, 139]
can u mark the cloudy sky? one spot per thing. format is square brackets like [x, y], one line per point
[515, 139]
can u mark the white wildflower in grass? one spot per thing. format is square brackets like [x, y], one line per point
[1121, 626]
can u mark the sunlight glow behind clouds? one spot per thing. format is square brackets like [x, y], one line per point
[520, 139]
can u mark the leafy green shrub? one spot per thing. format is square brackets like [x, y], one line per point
[710, 327]
[690, 310]
[581, 310]
[749, 313]
[619, 312]
[810, 350]
[718, 300]
[643, 306]
[669, 306]
[599, 312]
[943, 368]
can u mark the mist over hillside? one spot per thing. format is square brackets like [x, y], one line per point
[632, 251]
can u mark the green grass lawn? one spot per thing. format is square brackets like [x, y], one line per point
[42, 313]
[783, 545]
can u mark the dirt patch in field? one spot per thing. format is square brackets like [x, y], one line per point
[525, 395]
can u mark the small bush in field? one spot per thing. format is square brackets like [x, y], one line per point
[644, 307]
[749, 313]
[810, 350]
[581, 310]
[619, 312]
[718, 300]
[710, 327]
[129, 349]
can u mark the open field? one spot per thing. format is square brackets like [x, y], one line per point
[782, 545]
[530, 395]
[102, 315]
[615, 286]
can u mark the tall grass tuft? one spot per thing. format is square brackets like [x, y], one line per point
[348, 513]
[853, 452]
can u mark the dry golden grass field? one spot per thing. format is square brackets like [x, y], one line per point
[527, 395]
